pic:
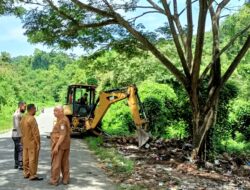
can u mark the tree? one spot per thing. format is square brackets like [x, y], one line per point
[5, 57]
[98, 23]
[7, 7]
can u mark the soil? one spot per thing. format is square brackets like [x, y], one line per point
[166, 164]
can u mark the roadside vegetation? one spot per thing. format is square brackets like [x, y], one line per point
[43, 79]
[110, 157]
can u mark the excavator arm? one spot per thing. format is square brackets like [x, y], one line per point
[107, 98]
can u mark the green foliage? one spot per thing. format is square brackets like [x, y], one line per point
[92, 81]
[47, 26]
[176, 130]
[43, 77]
[118, 121]
[233, 25]
[239, 118]
[7, 7]
[42, 60]
[238, 145]
[5, 57]
[223, 128]
[158, 101]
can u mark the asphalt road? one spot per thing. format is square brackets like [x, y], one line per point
[84, 171]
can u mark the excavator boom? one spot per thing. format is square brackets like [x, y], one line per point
[107, 98]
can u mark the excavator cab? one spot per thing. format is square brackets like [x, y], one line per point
[79, 101]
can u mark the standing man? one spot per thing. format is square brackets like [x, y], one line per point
[16, 135]
[60, 148]
[31, 143]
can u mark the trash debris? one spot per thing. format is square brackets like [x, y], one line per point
[164, 164]
[147, 146]
[161, 184]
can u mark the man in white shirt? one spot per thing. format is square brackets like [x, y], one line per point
[16, 135]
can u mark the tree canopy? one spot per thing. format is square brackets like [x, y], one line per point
[200, 65]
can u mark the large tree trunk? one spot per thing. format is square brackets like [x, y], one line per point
[202, 122]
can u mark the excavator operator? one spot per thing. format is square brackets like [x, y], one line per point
[84, 99]
[83, 105]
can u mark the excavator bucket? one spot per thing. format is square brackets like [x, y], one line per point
[142, 136]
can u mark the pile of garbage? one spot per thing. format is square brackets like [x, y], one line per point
[165, 163]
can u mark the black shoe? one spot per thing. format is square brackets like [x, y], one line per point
[15, 167]
[20, 168]
[36, 179]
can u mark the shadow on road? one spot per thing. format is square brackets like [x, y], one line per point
[83, 169]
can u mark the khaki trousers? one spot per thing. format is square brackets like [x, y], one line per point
[30, 162]
[60, 164]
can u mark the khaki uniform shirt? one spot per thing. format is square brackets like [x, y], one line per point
[61, 127]
[30, 132]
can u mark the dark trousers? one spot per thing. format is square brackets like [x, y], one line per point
[18, 152]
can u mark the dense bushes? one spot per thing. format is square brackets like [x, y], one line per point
[159, 102]
[117, 120]
[240, 118]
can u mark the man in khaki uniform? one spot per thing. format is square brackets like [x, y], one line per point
[31, 143]
[60, 148]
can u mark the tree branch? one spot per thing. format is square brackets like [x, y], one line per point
[224, 49]
[98, 24]
[234, 38]
[214, 91]
[176, 38]
[79, 25]
[143, 7]
[62, 13]
[236, 61]
[148, 12]
[156, 6]
[32, 3]
[199, 42]
[204, 73]
[178, 25]
[215, 62]
[92, 9]
[189, 55]
[182, 11]
[164, 60]
[149, 46]
[221, 6]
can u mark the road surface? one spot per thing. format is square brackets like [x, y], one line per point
[83, 165]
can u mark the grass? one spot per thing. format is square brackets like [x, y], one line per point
[110, 156]
[114, 161]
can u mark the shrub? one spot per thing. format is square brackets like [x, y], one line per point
[158, 101]
[118, 121]
[239, 117]
[177, 129]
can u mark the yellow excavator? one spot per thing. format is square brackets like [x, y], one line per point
[85, 113]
